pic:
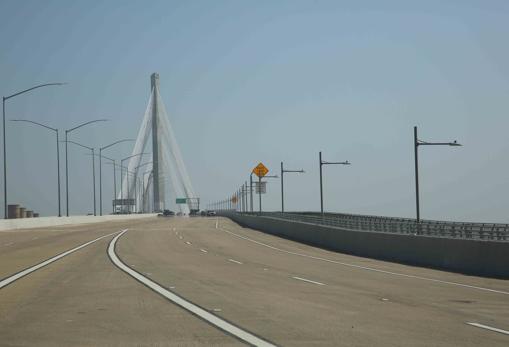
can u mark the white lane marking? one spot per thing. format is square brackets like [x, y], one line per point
[216, 310]
[25, 272]
[209, 317]
[9, 244]
[306, 280]
[203, 250]
[482, 326]
[365, 267]
[188, 242]
[217, 223]
[180, 237]
[174, 229]
[235, 261]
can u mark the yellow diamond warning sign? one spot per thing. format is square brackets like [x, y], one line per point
[260, 170]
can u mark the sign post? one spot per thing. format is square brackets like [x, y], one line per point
[260, 170]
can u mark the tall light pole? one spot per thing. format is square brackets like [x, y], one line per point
[251, 190]
[67, 132]
[260, 190]
[127, 177]
[93, 168]
[283, 171]
[321, 184]
[136, 174]
[113, 162]
[418, 143]
[4, 99]
[58, 156]
[100, 172]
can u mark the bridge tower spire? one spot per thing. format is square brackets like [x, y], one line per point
[154, 83]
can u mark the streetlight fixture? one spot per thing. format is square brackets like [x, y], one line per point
[58, 155]
[93, 166]
[113, 163]
[67, 163]
[283, 171]
[4, 99]
[136, 176]
[127, 176]
[322, 163]
[260, 190]
[418, 143]
[100, 172]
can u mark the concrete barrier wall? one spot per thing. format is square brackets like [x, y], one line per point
[482, 258]
[28, 223]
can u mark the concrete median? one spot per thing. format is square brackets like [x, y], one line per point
[473, 257]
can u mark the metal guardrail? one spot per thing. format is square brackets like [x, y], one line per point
[457, 230]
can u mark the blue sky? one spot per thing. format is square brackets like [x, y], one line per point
[271, 81]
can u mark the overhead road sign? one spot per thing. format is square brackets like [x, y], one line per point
[260, 170]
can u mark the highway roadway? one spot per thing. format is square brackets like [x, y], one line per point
[207, 281]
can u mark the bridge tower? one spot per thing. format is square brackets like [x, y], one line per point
[154, 83]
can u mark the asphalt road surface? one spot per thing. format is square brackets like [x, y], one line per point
[207, 281]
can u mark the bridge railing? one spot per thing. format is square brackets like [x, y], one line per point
[479, 231]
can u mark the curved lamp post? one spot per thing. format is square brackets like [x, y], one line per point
[283, 171]
[4, 99]
[418, 143]
[127, 176]
[100, 172]
[322, 163]
[58, 156]
[93, 166]
[67, 164]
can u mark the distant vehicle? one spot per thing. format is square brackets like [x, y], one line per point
[211, 213]
[203, 213]
[168, 213]
[179, 213]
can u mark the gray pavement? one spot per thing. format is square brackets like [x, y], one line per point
[285, 292]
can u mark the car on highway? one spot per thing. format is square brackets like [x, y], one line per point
[211, 213]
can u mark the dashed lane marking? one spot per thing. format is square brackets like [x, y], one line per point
[366, 267]
[220, 323]
[309, 281]
[235, 261]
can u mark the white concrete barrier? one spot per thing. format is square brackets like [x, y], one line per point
[40, 222]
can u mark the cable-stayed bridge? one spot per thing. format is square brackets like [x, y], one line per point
[156, 162]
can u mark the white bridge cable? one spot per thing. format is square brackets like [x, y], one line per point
[174, 181]
[169, 136]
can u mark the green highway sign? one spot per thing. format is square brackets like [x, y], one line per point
[181, 201]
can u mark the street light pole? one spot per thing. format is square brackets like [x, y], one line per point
[58, 156]
[416, 163]
[418, 143]
[127, 177]
[282, 186]
[321, 184]
[93, 168]
[67, 161]
[4, 99]
[100, 172]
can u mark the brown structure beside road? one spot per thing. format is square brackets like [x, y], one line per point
[15, 211]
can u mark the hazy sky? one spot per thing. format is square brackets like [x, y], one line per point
[271, 81]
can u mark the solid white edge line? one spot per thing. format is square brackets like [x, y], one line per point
[365, 267]
[306, 280]
[31, 269]
[478, 325]
[209, 317]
